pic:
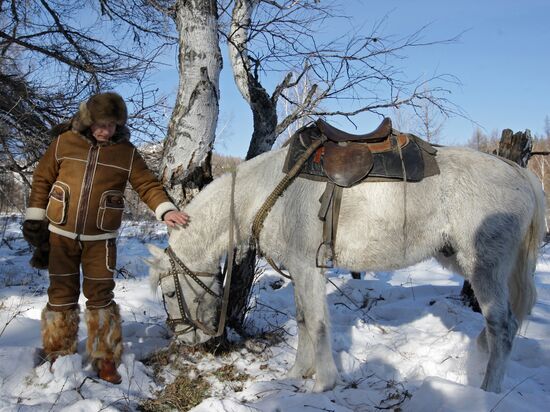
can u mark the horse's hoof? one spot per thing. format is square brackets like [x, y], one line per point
[299, 373]
[324, 385]
[490, 388]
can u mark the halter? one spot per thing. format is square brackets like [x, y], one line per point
[178, 267]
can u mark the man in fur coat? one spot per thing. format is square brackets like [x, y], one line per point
[78, 197]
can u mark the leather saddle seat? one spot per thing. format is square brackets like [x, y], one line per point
[348, 158]
[337, 135]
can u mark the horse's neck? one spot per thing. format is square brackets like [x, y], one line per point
[206, 236]
[201, 242]
[256, 179]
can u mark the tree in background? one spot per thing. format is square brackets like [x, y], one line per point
[483, 142]
[429, 121]
[186, 165]
[424, 120]
[540, 164]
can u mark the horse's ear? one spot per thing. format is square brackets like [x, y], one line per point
[157, 252]
[148, 262]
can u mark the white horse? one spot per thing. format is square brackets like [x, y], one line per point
[484, 213]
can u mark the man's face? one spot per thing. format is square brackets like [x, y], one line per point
[103, 131]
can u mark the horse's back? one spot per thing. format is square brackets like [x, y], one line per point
[385, 225]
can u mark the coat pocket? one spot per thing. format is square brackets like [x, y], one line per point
[111, 206]
[58, 203]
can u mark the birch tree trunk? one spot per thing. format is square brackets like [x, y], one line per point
[185, 167]
[264, 113]
[263, 106]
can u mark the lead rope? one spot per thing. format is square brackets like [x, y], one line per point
[230, 258]
[264, 210]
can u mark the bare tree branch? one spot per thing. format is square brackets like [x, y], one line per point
[346, 76]
[48, 66]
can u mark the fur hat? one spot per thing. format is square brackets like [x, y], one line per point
[100, 107]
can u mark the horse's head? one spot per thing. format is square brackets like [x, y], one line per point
[191, 299]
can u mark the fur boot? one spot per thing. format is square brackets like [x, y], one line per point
[104, 344]
[59, 332]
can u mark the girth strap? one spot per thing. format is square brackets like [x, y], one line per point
[329, 213]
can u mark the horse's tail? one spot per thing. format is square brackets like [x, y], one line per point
[521, 284]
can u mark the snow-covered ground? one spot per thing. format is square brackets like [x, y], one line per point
[402, 341]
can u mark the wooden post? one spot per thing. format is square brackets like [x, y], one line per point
[517, 147]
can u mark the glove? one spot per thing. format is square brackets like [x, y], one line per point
[41, 257]
[36, 232]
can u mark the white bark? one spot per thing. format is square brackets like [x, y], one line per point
[191, 131]
[240, 63]
[263, 106]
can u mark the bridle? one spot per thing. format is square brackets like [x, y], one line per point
[177, 267]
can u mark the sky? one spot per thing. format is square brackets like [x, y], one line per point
[501, 60]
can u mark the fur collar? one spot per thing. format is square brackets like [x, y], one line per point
[122, 133]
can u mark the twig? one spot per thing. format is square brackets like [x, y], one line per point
[494, 408]
[125, 273]
[13, 316]
[357, 306]
[58, 395]
[7, 243]
[272, 308]
[79, 388]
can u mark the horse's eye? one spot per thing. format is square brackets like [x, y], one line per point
[170, 294]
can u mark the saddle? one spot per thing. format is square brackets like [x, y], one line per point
[344, 160]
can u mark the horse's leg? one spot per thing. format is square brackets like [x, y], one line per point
[482, 340]
[311, 291]
[490, 288]
[450, 262]
[303, 364]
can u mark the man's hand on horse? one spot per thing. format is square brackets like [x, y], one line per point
[175, 217]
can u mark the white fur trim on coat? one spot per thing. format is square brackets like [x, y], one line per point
[163, 208]
[72, 235]
[35, 213]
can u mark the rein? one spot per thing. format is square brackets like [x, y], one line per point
[264, 210]
[178, 267]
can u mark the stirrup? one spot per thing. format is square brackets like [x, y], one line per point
[325, 249]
